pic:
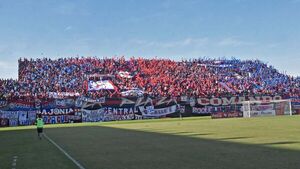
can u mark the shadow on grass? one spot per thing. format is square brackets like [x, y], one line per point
[184, 133]
[282, 142]
[234, 138]
[181, 132]
[113, 148]
[198, 134]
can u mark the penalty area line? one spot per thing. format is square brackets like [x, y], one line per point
[64, 152]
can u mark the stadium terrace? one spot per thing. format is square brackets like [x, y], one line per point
[116, 77]
[90, 89]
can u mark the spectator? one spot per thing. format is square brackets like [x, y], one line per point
[40, 78]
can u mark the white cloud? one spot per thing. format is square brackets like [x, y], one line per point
[7, 65]
[234, 42]
[68, 28]
[173, 44]
[3, 48]
[241, 1]
[66, 9]
[295, 1]
[71, 8]
[273, 45]
[8, 70]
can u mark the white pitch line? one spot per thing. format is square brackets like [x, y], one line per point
[14, 163]
[64, 152]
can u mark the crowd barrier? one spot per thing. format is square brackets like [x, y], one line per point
[81, 109]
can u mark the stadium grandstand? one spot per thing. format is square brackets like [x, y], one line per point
[87, 92]
[46, 78]
[91, 89]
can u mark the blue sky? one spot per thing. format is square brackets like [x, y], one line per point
[268, 30]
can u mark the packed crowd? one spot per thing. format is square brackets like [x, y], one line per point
[40, 78]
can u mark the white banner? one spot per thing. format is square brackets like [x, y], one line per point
[161, 112]
[99, 85]
[125, 74]
[133, 92]
[262, 110]
[109, 114]
[263, 113]
[62, 94]
[262, 107]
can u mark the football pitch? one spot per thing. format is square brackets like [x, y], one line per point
[188, 143]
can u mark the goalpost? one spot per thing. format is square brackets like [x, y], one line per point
[267, 108]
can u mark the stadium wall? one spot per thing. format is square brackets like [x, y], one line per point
[81, 109]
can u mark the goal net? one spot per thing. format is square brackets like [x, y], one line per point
[266, 108]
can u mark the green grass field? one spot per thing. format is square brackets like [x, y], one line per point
[190, 143]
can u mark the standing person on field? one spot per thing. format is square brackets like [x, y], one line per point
[39, 126]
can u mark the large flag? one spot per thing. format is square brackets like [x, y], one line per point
[100, 85]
